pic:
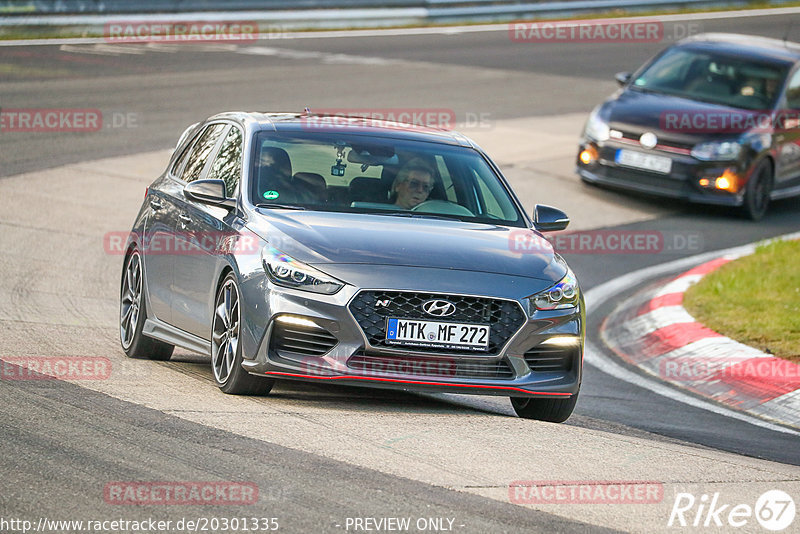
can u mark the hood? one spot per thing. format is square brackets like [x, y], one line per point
[678, 119]
[320, 238]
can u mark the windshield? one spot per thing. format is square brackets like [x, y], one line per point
[718, 79]
[362, 174]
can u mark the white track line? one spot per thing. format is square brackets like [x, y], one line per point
[597, 358]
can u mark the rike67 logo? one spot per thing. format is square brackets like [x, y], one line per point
[774, 510]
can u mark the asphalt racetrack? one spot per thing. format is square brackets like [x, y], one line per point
[323, 456]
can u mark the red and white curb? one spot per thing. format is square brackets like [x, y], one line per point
[653, 332]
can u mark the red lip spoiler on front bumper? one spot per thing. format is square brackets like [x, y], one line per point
[416, 382]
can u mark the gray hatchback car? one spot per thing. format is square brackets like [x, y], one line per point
[351, 251]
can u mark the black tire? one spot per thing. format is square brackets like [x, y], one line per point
[757, 192]
[553, 410]
[133, 312]
[226, 350]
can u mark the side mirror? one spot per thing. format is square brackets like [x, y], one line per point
[623, 77]
[549, 219]
[209, 192]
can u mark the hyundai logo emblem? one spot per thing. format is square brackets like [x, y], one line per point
[439, 308]
[648, 140]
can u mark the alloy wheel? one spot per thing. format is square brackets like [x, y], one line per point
[131, 300]
[225, 333]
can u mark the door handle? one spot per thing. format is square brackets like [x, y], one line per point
[156, 204]
[185, 218]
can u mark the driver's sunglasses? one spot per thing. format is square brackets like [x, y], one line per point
[416, 184]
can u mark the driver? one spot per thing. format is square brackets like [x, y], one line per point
[413, 184]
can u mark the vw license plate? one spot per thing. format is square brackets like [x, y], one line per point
[639, 160]
[417, 333]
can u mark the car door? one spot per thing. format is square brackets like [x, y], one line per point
[165, 240]
[787, 137]
[159, 235]
[205, 230]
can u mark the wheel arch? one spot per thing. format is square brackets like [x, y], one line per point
[221, 278]
[131, 246]
[771, 159]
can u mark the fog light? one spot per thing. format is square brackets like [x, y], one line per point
[729, 181]
[588, 155]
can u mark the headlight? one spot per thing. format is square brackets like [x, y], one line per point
[596, 128]
[717, 151]
[285, 271]
[565, 294]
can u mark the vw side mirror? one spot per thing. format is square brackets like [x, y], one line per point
[622, 77]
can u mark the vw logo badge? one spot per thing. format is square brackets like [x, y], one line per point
[648, 140]
[439, 308]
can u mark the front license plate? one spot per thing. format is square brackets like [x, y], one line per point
[639, 160]
[417, 333]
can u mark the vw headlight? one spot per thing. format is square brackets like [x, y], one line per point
[596, 128]
[286, 271]
[717, 151]
[564, 294]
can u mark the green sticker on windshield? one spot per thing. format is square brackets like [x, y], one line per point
[271, 195]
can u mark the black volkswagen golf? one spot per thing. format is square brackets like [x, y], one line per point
[713, 119]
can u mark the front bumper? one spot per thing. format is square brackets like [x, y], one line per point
[314, 338]
[683, 181]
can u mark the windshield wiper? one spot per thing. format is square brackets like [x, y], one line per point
[643, 89]
[278, 205]
[418, 215]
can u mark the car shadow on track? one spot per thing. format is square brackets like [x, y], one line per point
[292, 394]
[639, 200]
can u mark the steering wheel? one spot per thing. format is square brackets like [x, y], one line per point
[443, 207]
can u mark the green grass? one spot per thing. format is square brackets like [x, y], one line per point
[754, 300]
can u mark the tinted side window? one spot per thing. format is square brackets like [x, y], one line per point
[227, 165]
[178, 165]
[793, 92]
[181, 157]
[200, 151]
